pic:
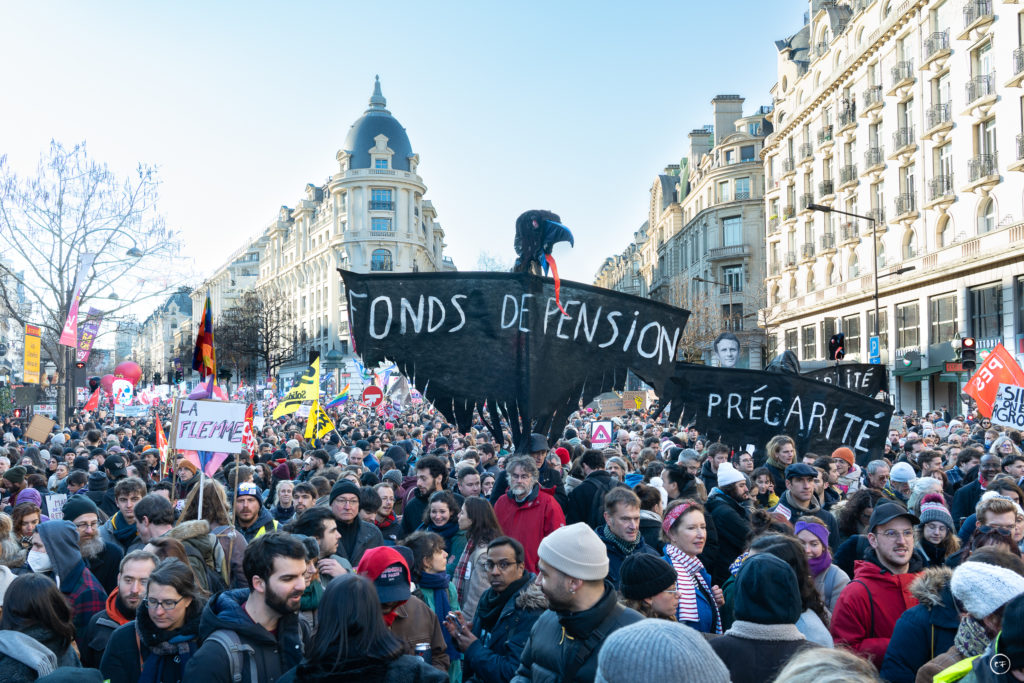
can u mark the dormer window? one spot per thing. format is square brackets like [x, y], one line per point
[380, 163]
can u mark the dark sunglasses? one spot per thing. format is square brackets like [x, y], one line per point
[998, 529]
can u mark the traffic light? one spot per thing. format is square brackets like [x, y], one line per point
[178, 376]
[157, 377]
[79, 364]
[836, 345]
[969, 353]
[17, 412]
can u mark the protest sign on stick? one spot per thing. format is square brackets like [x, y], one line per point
[215, 426]
[1008, 407]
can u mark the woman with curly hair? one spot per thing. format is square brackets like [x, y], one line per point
[25, 517]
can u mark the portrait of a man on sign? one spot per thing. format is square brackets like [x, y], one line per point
[727, 350]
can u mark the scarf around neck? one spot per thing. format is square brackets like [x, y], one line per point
[438, 583]
[123, 531]
[491, 603]
[625, 547]
[688, 581]
[464, 570]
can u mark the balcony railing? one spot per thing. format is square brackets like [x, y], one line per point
[825, 188]
[981, 86]
[938, 114]
[847, 174]
[873, 96]
[788, 212]
[788, 165]
[828, 242]
[742, 194]
[824, 135]
[982, 166]
[874, 157]
[1020, 146]
[849, 232]
[773, 224]
[790, 259]
[806, 151]
[806, 200]
[975, 10]
[376, 205]
[807, 251]
[940, 186]
[774, 269]
[936, 43]
[902, 137]
[905, 203]
[848, 116]
[878, 214]
[819, 49]
[1018, 60]
[903, 71]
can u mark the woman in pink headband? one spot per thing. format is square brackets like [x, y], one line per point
[684, 531]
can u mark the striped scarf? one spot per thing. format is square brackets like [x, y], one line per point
[688, 575]
[463, 569]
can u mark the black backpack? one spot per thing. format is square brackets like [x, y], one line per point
[603, 486]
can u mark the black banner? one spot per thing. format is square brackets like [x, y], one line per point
[743, 407]
[860, 377]
[465, 339]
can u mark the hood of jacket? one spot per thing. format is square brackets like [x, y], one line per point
[225, 610]
[531, 597]
[870, 571]
[60, 538]
[196, 533]
[929, 587]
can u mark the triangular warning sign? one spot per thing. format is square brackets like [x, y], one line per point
[602, 434]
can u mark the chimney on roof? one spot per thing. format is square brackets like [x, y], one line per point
[727, 109]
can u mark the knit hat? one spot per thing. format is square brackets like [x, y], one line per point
[902, 472]
[291, 445]
[282, 471]
[844, 453]
[727, 474]
[188, 465]
[98, 481]
[247, 488]
[15, 474]
[393, 476]
[767, 591]
[658, 650]
[577, 551]
[563, 455]
[1011, 640]
[343, 486]
[30, 495]
[644, 576]
[933, 509]
[984, 588]
[81, 462]
[76, 506]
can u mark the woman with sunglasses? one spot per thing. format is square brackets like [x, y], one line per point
[165, 634]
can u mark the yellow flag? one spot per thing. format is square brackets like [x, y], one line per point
[318, 424]
[314, 413]
[308, 389]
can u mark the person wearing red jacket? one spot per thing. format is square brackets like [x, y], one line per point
[870, 605]
[525, 512]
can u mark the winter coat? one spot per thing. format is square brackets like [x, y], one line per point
[204, 552]
[869, 607]
[830, 583]
[924, 631]
[586, 501]
[233, 544]
[778, 476]
[264, 522]
[616, 556]
[530, 521]
[650, 529]
[709, 477]
[77, 583]
[733, 526]
[275, 654]
[549, 652]
[965, 500]
[478, 582]
[550, 480]
[793, 512]
[412, 512]
[494, 656]
[129, 649]
[851, 480]
[405, 669]
[106, 564]
[367, 537]
[416, 623]
[29, 654]
[755, 653]
[429, 597]
[101, 626]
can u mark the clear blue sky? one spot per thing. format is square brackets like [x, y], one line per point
[569, 106]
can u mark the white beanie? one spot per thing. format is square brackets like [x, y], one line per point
[902, 472]
[727, 474]
[984, 588]
[657, 650]
[6, 579]
[576, 551]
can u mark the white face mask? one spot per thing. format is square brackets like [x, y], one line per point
[39, 562]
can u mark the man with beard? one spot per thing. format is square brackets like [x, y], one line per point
[251, 518]
[504, 616]
[102, 557]
[586, 499]
[728, 505]
[549, 478]
[526, 513]
[430, 477]
[122, 602]
[357, 536]
[263, 617]
[798, 500]
[868, 608]
[384, 519]
[584, 609]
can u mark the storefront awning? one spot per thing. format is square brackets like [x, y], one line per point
[918, 375]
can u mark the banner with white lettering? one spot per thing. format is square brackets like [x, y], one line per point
[1008, 408]
[860, 377]
[214, 426]
[751, 406]
[464, 339]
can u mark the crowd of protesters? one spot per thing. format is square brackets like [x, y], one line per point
[402, 549]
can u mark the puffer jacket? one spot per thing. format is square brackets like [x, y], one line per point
[557, 637]
[494, 656]
[924, 631]
[30, 654]
[870, 606]
[275, 653]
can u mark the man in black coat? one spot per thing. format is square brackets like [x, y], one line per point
[586, 500]
[726, 507]
[967, 497]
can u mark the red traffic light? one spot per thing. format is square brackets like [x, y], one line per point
[79, 365]
[969, 342]
[17, 412]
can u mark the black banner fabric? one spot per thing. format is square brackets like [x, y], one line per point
[743, 407]
[468, 338]
[860, 377]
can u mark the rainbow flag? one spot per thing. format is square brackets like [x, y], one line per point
[340, 398]
[204, 360]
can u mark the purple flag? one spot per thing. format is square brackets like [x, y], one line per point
[87, 337]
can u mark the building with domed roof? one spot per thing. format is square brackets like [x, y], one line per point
[369, 216]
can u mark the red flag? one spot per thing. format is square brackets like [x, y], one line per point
[203, 358]
[998, 368]
[94, 401]
[161, 440]
[248, 437]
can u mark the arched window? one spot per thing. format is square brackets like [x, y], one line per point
[987, 216]
[909, 245]
[380, 261]
[853, 270]
[944, 232]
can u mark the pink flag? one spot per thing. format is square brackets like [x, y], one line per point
[69, 335]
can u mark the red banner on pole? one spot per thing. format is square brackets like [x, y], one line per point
[999, 368]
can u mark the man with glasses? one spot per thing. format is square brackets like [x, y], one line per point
[357, 535]
[494, 644]
[879, 593]
[526, 513]
[101, 556]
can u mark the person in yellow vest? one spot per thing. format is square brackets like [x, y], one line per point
[252, 519]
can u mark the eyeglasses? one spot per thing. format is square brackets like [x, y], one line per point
[86, 525]
[503, 565]
[893, 534]
[167, 605]
[998, 528]
[671, 591]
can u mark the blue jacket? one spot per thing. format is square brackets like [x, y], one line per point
[495, 655]
[705, 612]
[616, 557]
[923, 631]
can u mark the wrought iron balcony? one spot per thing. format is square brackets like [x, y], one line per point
[849, 232]
[807, 251]
[902, 72]
[1020, 146]
[938, 114]
[940, 186]
[790, 259]
[878, 214]
[788, 165]
[806, 151]
[874, 157]
[825, 135]
[828, 242]
[376, 205]
[936, 43]
[805, 201]
[825, 188]
[905, 203]
[873, 96]
[848, 116]
[788, 212]
[847, 174]
[902, 137]
[982, 166]
[1018, 60]
[981, 86]
[975, 10]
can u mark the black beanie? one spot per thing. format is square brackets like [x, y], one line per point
[343, 486]
[1011, 640]
[16, 474]
[644, 576]
[76, 506]
[81, 462]
[98, 481]
[767, 591]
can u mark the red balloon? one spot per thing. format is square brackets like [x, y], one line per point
[107, 382]
[128, 370]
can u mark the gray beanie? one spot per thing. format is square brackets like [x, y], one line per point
[984, 588]
[658, 650]
[576, 551]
